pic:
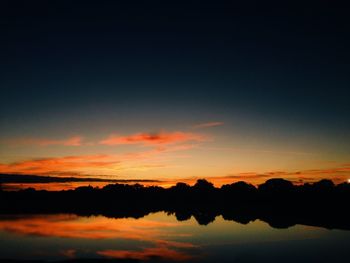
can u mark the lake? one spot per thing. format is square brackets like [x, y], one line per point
[161, 237]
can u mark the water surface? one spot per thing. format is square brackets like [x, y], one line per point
[160, 237]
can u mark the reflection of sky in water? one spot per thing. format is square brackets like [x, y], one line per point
[51, 237]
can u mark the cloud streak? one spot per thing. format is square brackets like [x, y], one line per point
[141, 138]
[153, 139]
[81, 165]
[208, 125]
[59, 164]
[72, 141]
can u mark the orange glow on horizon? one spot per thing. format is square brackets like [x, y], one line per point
[337, 175]
[169, 157]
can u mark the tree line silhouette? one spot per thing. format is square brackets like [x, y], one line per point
[278, 202]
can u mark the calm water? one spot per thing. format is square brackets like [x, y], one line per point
[161, 237]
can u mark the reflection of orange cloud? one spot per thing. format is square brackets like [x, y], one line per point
[208, 125]
[73, 141]
[159, 252]
[72, 226]
[155, 232]
[158, 138]
[69, 253]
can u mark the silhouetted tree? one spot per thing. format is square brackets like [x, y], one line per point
[239, 191]
[276, 185]
[183, 215]
[203, 192]
[323, 185]
[203, 185]
[204, 218]
[180, 187]
[85, 189]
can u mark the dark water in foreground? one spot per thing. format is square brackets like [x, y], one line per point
[160, 237]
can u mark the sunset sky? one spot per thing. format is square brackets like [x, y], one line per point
[172, 92]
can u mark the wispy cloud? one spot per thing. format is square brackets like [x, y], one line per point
[207, 125]
[72, 141]
[255, 150]
[59, 164]
[82, 164]
[157, 138]
[142, 138]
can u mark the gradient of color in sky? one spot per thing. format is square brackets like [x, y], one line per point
[170, 91]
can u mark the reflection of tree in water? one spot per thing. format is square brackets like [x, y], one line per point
[204, 218]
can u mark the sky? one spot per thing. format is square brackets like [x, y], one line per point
[174, 91]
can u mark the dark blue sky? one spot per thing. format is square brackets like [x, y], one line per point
[293, 59]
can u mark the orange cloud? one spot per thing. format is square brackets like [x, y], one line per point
[159, 138]
[72, 141]
[59, 164]
[163, 144]
[83, 164]
[208, 125]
